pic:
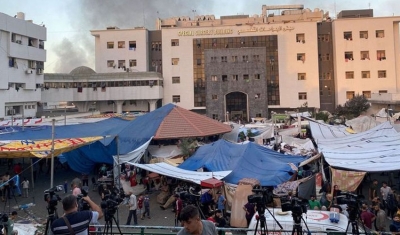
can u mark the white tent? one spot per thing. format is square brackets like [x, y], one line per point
[321, 131]
[163, 168]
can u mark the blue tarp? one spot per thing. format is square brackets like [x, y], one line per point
[245, 160]
[131, 135]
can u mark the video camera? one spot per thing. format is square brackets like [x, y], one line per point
[295, 205]
[351, 199]
[191, 196]
[111, 201]
[82, 204]
[262, 196]
[51, 197]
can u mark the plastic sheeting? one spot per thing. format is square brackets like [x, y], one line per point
[362, 123]
[167, 151]
[245, 160]
[321, 131]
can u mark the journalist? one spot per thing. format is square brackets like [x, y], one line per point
[74, 221]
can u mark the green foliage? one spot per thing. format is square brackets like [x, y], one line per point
[354, 107]
[187, 146]
[322, 116]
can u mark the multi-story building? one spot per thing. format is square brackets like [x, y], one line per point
[22, 58]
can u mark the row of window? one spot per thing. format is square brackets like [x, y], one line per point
[121, 64]
[32, 42]
[364, 55]
[235, 77]
[102, 84]
[256, 96]
[348, 35]
[121, 45]
[365, 74]
[366, 94]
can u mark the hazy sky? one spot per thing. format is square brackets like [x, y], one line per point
[68, 22]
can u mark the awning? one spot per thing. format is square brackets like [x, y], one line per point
[42, 148]
[163, 168]
[313, 158]
[211, 183]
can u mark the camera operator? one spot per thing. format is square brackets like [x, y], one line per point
[74, 221]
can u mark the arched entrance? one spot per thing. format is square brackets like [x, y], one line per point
[236, 106]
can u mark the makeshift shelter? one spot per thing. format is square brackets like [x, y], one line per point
[211, 183]
[245, 160]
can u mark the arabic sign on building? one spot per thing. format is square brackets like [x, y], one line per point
[231, 31]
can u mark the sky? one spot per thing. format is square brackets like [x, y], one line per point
[69, 42]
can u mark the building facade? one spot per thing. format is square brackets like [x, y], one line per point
[21, 66]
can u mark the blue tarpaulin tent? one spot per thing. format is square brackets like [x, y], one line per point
[245, 160]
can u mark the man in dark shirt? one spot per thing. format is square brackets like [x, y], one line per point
[75, 220]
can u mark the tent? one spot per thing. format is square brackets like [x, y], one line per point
[245, 160]
[211, 183]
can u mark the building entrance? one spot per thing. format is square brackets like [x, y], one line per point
[236, 106]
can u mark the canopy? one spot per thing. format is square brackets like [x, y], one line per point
[375, 150]
[187, 175]
[245, 160]
[211, 183]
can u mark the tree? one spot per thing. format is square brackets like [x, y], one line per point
[353, 107]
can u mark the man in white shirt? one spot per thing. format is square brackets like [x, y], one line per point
[132, 209]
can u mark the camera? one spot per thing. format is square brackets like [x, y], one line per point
[351, 199]
[82, 204]
[111, 201]
[262, 196]
[295, 205]
[51, 197]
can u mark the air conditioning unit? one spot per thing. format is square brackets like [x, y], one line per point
[19, 41]
[29, 71]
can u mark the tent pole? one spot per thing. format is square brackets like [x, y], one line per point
[53, 122]
[33, 183]
[119, 170]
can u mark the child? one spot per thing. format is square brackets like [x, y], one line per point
[140, 206]
[146, 206]
[25, 187]
[66, 186]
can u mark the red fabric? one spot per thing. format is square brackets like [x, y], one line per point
[17, 169]
[211, 219]
[133, 181]
[367, 217]
[179, 206]
[140, 202]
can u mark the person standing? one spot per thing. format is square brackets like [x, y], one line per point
[367, 217]
[66, 186]
[391, 204]
[380, 221]
[178, 209]
[373, 190]
[25, 187]
[10, 224]
[132, 203]
[395, 225]
[85, 179]
[193, 225]
[146, 203]
[221, 203]
[384, 193]
[250, 209]
[6, 179]
[75, 187]
[140, 206]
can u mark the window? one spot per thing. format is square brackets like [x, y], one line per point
[349, 75]
[350, 95]
[382, 91]
[300, 38]
[325, 76]
[32, 64]
[381, 55]
[132, 63]
[215, 116]
[121, 44]
[348, 35]
[348, 55]
[246, 77]
[325, 57]
[110, 63]
[301, 57]
[224, 78]
[213, 59]
[381, 73]
[256, 58]
[176, 80]
[174, 42]
[365, 74]
[257, 96]
[302, 95]
[366, 94]
[198, 61]
[224, 59]
[214, 97]
[364, 55]
[110, 45]
[121, 64]
[132, 45]
[235, 77]
[234, 58]
[245, 58]
[214, 78]
[257, 76]
[323, 37]
[175, 61]
[380, 33]
[364, 34]
[176, 98]
[301, 76]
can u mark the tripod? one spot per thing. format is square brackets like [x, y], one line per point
[354, 214]
[297, 229]
[262, 222]
[7, 199]
[108, 225]
[52, 211]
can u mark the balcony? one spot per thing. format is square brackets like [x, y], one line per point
[386, 98]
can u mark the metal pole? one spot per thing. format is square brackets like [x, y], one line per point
[53, 122]
[65, 115]
[23, 112]
[119, 170]
[32, 166]
[12, 116]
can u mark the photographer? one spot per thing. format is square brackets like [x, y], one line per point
[74, 221]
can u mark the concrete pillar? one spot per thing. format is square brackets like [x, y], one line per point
[119, 103]
[152, 104]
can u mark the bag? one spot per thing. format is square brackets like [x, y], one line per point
[334, 215]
